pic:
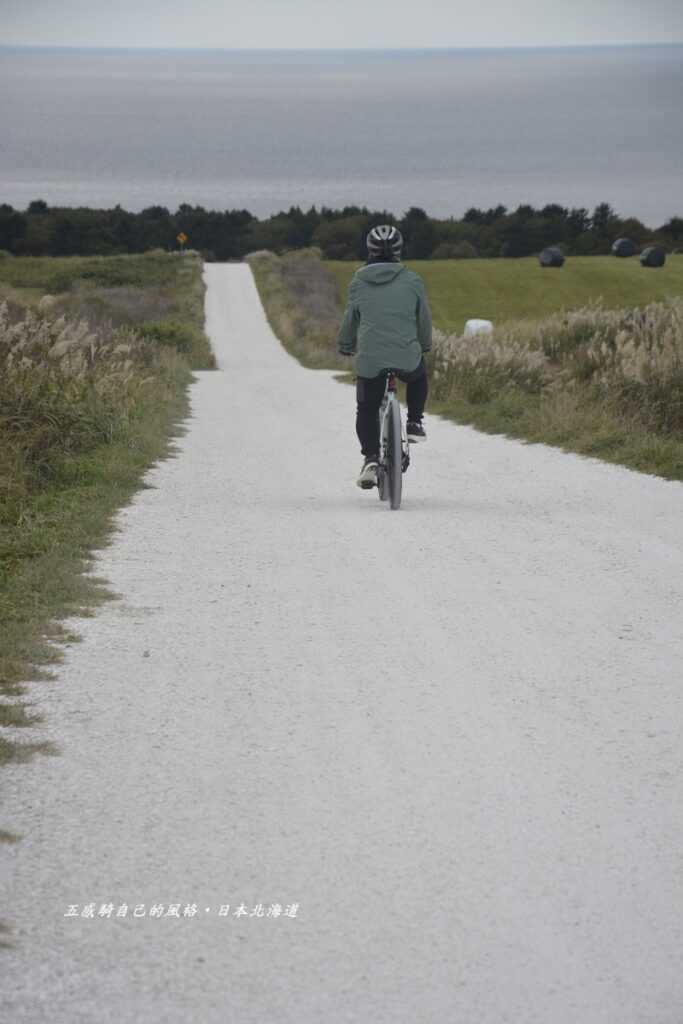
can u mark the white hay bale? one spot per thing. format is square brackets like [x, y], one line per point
[478, 327]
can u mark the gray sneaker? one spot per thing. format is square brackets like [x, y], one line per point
[368, 474]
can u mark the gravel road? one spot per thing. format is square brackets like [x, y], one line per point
[433, 755]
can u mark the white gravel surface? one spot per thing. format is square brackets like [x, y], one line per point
[451, 734]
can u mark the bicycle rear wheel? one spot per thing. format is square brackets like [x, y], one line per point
[394, 455]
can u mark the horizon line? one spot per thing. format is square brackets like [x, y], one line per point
[337, 49]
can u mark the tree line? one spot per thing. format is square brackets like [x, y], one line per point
[42, 230]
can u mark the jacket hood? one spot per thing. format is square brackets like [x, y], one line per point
[380, 273]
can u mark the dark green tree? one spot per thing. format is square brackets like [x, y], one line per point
[603, 215]
[12, 227]
[419, 234]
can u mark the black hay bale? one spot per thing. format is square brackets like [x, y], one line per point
[551, 257]
[653, 256]
[624, 247]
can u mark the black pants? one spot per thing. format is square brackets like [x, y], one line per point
[369, 394]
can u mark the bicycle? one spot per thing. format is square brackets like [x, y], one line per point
[394, 457]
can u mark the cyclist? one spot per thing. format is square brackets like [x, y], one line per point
[387, 325]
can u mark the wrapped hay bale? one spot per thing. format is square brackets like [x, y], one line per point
[623, 247]
[478, 327]
[551, 257]
[653, 256]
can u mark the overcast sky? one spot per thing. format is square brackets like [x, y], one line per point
[338, 23]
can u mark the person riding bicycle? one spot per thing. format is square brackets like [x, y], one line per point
[388, 326]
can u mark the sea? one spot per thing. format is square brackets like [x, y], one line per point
[443, 130]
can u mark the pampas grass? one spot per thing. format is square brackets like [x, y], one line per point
[631, 360]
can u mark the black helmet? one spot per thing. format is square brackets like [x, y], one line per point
[385, 240]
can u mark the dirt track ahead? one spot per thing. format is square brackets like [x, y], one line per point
[451, 734]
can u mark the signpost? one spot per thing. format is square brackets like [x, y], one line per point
[181, 239]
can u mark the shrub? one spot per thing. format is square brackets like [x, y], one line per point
[170, 333]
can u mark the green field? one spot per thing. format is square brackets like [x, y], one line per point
[507, 289]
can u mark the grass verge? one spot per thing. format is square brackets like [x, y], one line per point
[300, 298]
[87, 404]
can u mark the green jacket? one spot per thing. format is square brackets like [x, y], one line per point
[387, 323]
